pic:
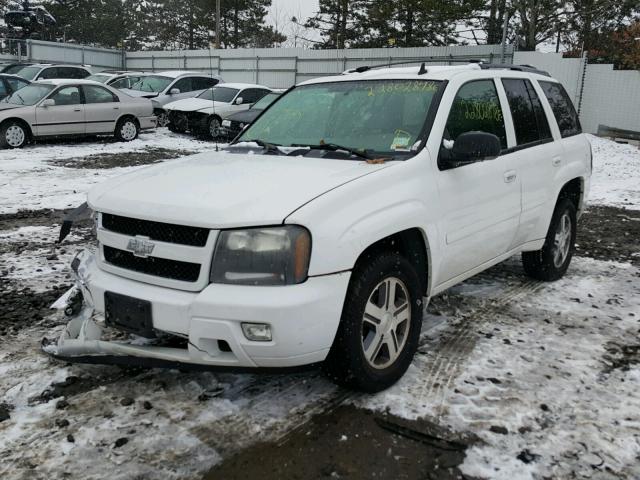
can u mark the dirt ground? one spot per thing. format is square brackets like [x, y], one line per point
[336, 442]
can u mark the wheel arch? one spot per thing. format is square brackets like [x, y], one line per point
[573, 190]
[21, 121]
[125, 116]
[413, 245]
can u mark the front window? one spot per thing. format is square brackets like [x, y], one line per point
[220, 94]
[99, 78]
[28, 72]
[29, 95]
[374, 116]
[152, 83]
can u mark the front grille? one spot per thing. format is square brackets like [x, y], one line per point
[162, 232]
[159, 267]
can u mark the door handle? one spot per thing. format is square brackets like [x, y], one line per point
[556, 161]
[77, 109]
[510, 176]
[116, 108]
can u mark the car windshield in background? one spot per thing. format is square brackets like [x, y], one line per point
[265, 101]
[219, 94]
[99, 78]
[13, 69]
[27, 72]
[29, 95]
[152, 83]
[379, 116]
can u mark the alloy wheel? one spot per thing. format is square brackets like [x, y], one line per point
[386, 322]
[128, 130]
[562, 240]
[214, 127]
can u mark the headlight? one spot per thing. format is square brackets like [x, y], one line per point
[262, 256]
[226, 123]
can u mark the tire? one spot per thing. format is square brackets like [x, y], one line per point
[214, 125]
[162, 118]
[552, 261]
[127, 129]
[13, 135]
[361, 356]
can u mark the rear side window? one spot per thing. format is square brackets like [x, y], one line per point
[529, 119]
[476, 108]
[202, 83]
[95, 94]
[563, 109]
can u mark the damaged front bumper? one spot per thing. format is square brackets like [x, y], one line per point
[201, 330]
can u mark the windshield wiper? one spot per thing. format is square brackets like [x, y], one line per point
[332, 147]
[269, 147]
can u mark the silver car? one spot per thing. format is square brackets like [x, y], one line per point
[117, 78]
[54, 108]
[169, 86]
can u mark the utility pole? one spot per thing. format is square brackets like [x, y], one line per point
[217, 44]
[505, 29]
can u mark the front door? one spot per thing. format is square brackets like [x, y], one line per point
[66, 117]
[481, 201]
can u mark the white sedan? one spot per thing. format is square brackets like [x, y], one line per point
[204, 114]
[55, 108]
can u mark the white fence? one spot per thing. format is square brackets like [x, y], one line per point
[602, 95]
[282, 68]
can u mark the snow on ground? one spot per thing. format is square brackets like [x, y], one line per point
[616, 174]
[29, 181]
[543, 374]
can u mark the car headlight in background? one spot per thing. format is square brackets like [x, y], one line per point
[226, 123]
[262, 256]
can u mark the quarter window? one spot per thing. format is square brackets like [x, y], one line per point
[476, 108]
[94, 94]
[563, 109]
[529, 119]
[202, 83]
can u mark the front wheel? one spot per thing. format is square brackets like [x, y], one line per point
[214, 127]
[380, 325]
[13, 135]
[127, 130]
[552, 261]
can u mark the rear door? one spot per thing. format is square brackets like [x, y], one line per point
[101, 109]
[480, 201]
[533, 154]
[66, 117]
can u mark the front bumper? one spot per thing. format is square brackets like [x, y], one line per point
[303, 318]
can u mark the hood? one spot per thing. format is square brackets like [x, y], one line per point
[246, 116]
[138, 93]
[225, 190]
[10, 106]
[194, 104]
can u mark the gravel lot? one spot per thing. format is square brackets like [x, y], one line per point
[514, 379]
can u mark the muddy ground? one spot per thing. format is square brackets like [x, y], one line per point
[340, 441]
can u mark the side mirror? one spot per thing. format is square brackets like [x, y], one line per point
[174, 91]
[49, 102]
[470, 147]
[239, 101]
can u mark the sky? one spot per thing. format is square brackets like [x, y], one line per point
[304, 8]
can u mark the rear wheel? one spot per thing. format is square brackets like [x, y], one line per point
[13, 135]
[127, 129]
[380, 325]
[552, 261]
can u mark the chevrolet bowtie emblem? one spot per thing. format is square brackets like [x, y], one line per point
[141, 246]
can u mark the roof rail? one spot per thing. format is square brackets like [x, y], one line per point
[517, 68]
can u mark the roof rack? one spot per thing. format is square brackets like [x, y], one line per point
[477, 61]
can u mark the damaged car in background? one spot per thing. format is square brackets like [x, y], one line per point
[204, 114]
[321, 232]
[169, 86]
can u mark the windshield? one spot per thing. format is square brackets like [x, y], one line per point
[265, 101]
[13, 69]
[381, 116]
[152, 83]
[29, 95]
[220, 94]
[98, 78]
[27, 72]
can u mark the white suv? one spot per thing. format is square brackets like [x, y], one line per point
[316, 236]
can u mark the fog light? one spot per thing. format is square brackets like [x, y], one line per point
[257, 332]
